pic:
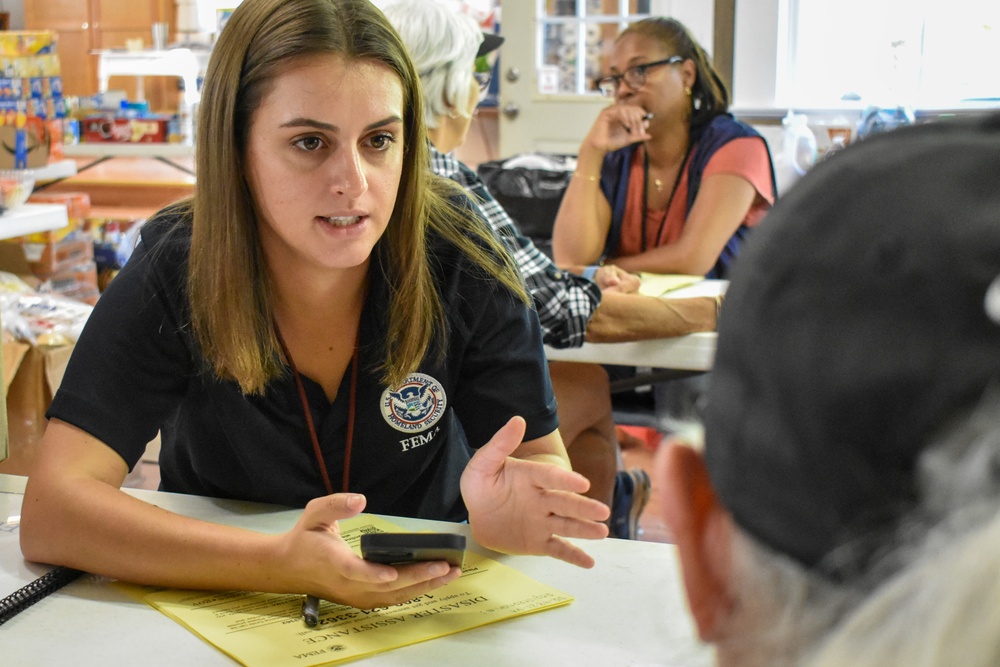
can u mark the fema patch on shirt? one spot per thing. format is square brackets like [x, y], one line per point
[416, 405]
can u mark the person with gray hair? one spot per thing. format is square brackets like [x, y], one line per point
[451, 54]
[844, 510]
[324, 325]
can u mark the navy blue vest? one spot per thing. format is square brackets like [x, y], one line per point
[707, 140]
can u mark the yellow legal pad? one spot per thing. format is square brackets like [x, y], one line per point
[658, 284]
[263, 629]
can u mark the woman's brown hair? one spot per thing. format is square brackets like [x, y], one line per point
[228, 284]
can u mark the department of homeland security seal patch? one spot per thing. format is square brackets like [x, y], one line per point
[416, 405]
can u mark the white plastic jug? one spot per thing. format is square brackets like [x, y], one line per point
[798, 150]
[799, 143]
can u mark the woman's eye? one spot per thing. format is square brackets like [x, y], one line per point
[382, 141]
[309, 143]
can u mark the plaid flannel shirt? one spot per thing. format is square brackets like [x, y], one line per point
[564, 301]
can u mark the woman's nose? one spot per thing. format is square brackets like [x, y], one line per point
[349, 174]
[623, 90]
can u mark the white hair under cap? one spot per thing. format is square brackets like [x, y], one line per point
[443, 43]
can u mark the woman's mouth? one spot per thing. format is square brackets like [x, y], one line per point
[342, 221]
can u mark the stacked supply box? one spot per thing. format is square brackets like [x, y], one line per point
[31, 99]
[63, 259]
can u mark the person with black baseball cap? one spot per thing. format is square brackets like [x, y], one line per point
[844, 510]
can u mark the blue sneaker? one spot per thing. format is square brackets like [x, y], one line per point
[632, 489]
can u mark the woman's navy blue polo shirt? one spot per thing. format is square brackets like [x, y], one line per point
[136, 370]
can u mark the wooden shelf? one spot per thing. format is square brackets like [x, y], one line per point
[122, 213]
[128, 186]
[114, 149]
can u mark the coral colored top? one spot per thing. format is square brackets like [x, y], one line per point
[746, 158]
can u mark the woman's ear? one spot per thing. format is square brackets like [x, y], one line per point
[702, 532]
[689, 73]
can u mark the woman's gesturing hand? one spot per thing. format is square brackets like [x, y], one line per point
[521, 506]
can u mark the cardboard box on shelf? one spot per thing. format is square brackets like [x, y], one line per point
[46, 259]
[4, 431]
[32, 373]
[77, 208]
[107, 127]
[78, 282]
[12, 261]
[36, 143]
[31, 376]
[77, 203]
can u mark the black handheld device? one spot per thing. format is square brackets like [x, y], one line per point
[401, 548]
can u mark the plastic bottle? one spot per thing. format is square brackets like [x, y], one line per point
[799, 142]
[798, 150]
[185, 122]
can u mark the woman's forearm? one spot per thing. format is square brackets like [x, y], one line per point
[74, 522]
[87, 523]
[547, 449]
[75, 514]
[629, 317]
[720, 208]
[683, 257]
[579, 232]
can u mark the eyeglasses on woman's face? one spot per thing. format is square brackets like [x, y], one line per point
[483, 79]
[635, 76]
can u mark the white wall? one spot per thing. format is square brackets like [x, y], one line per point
[698, 16]
[756, 50]
[16, 10]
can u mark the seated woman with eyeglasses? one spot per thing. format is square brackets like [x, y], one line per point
[667, 181]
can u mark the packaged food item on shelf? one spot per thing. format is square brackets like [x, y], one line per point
[77, 204]
[77, 282]
[27, 42]
[122, 129]
[32, 105]
[77, 209]
[71, 131]
[47, 259]
[15, 186]
[46, 319]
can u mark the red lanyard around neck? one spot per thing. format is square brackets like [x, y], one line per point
[309, 421]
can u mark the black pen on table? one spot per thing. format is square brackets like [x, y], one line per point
[310, 610]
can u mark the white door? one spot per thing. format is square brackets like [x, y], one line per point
[547, 103]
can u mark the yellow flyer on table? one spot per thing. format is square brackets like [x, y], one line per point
[263, 629]
[658, 284]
